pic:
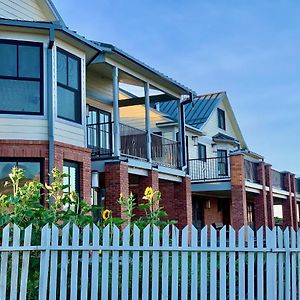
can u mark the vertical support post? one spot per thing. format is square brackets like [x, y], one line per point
[117, 139]
[147, 122]
[270, 200]
[181, 134]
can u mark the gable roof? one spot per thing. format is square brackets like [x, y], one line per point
[197, 112]
[224, 138]
[30, 10]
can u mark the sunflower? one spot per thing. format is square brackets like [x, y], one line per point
[106, 214]
[149, 193]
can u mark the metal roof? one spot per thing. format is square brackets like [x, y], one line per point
[197, 112]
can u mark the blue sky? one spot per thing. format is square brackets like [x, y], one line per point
[251, 49]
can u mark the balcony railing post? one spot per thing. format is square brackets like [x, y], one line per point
[117, 139]
[147, 122]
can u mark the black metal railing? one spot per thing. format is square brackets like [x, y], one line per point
[99, 139]
[133, 141]
[165, 152]
[297, 182]
[251, 173]
[214, 168]
[277, 179]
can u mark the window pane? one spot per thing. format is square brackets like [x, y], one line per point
[8, 61]
[68, 104]
[29, 61]
[31, 170]
[66, 179]
[19, 96]
[73, 73]
[61, 68]
[73, 179]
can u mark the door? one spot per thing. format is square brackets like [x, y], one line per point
[222, 163]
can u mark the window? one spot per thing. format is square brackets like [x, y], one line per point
[221, 119]
[68, 86]
[73, 180]
[32, 172]
[201, 152]
[21, 85]
[222, 163]
[250, 214]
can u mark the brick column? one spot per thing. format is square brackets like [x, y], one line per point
[148, 181]
[287, 205]
[238, 211]
[270, 201]
[260, 204]
[177, 200]
[116, 182]
[294, 201]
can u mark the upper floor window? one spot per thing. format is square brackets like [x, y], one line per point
[202, 152]
[221, 119]
[21, 73]
[68, 86]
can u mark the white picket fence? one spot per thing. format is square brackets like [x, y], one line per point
[93, 263]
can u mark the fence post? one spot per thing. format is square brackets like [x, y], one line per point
[286, 239]
[271, 264]
[4, 262]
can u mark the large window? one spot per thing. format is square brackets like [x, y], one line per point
[68, 86]
[32, 172]
[202, 152]
[21, 73]
[221, 119]
[73, 178]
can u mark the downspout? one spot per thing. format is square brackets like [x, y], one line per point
[50, 101]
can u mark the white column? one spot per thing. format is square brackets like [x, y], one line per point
[147, 122]
[116, 112]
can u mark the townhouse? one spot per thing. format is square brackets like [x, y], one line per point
[117, 125]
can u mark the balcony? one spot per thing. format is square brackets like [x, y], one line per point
[277, 179]
[133, 144]
[210, 169]
[251, 174]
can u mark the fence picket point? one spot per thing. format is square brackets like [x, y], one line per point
[74, 263]
[44, 262]
[293, 265]
[115, 264]
[223, 292]
[287, 263]
[4, 262]
[64, 263]
[194, 266]
[95, 265]
[232, 262]
[203, 264]
[175, 243]
[184, 264]
[146, 255]
[105, 264]
[271, 264]
[85, 264]
[125, 263]
[165, 264]
[213, 264]
[25, 263]
[251, 279]
[155, 264]
[53, 264]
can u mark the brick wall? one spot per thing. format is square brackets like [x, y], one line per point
[80, 155]
[287, 204]
[269, 196]
[211, 214]
[238, 193]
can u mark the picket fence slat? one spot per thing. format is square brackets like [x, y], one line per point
[169, 263]
[53, 264]
[165, 264]
[85, 264]
[260, 264]
[74, 263]
[125, 264]
[175, 263]
[105, 264]
[222, 294]
[136, 264]
[25, 264]
[155, 265]
[232, 284]
[95, 265]
[115, 265]
[146, 258]
[203, 264]
[194, 266]
[64, 263]
[4, 263]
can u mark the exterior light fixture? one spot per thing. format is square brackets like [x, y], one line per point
[95, 179]
[195, 140]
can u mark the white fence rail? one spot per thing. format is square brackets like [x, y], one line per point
[97, 263]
